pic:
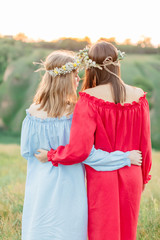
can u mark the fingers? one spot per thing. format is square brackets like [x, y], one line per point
[138, 151]
[137, 162]
[41, 150]
[140, 163]
[139, 155]
[36, 155]
[39, 158]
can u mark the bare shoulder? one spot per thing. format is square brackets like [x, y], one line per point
[102, 92]
[34, 111]
[139, 92]
[133, 93]
[98, 90]
[89, 91]
[33, 108]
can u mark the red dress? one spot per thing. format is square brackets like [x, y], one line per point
[113, 197]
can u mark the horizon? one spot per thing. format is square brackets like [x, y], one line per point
[129, 41]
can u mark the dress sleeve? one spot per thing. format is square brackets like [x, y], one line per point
[81, 136]
[103, 161]
[25, 138]
[146, 147]
[28, 138]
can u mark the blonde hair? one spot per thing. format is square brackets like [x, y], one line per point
[57, 95]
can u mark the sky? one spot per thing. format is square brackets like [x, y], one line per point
[50, 19]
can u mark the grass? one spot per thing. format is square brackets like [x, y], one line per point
[149, 218]
[12, 185]
[7, 137]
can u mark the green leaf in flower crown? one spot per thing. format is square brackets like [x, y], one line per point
[121, 55]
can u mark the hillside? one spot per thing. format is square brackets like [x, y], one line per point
[18, 83]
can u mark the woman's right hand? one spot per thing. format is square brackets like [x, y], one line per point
[136, 157]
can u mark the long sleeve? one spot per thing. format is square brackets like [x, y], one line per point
[146, 147]
[81, 137]
[25, 139]
[103, 161]
[29, 140]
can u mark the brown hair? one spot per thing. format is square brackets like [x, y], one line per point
[94, 76]
[56, 95]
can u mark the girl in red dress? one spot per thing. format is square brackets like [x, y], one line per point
[112, 116]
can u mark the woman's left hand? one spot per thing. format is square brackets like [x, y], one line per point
[42, 156]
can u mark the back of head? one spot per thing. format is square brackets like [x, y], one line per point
[94, 76]
[56, 94]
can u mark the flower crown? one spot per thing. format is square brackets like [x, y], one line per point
[67, 68]
[88, 63]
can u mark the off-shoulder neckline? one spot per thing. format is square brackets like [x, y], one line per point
[48, 119]
[101, 102]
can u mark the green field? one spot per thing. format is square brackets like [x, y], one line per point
[12, 185]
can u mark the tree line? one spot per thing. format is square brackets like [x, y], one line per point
[143, 46]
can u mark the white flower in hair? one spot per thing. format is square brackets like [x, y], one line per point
[67, 68]
[121, 55]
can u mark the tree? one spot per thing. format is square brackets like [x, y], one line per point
[111, 40]
[87, 39]
[127, 41]
[145, 42]
[21, 37]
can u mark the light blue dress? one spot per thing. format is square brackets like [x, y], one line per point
[55, 204]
